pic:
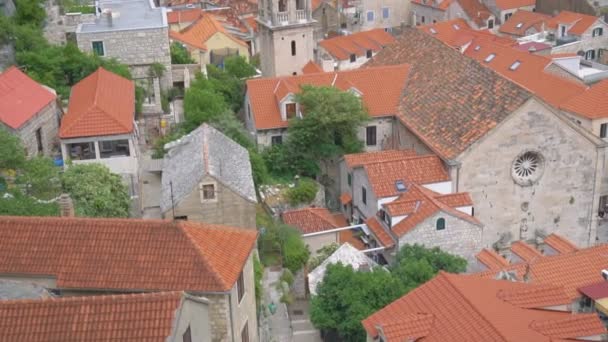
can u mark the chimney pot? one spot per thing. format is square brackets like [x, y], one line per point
[66, 206]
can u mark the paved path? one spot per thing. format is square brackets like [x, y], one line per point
[303, 330]
[280, 326]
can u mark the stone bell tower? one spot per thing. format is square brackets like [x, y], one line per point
[286, 36]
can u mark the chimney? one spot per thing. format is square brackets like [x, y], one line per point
[66, 206]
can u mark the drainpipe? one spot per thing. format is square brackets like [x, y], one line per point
[231, 317]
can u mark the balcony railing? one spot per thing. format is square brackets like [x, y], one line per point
[301, 15]
[282, 17]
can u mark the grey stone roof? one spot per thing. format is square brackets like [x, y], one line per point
[12, 289]
[126, 15]
[205, 151]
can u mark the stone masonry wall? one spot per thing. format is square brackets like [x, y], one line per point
[219, 317]
[564, 200]
[48, 121]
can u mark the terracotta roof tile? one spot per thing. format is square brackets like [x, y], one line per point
[532, 47]
[529, 73]
[595, 291]
[184, 16]
[535, 297]
[426, 169]
[476, 11]
[345, 198]
[570, 327]
[311, 68]
[197, 34]
[592, 103]
[381, 88]
[457, 33]
[571, 270]
[560, 244]
[450, 101]
[125, 254]
[467, 308]
[134, 317]
[460, 199]
[408, 328]
[379, 232]
[580, 22]
[360, 159]
[442, 6]
[102, 103]
[342, 47]
[521, 21]
[21, 97]
[512, 4]
[310, 220]
[525, 251]
[491, 259]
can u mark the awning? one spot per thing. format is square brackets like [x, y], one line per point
[345, 198]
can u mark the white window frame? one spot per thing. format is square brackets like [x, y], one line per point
[103, 46]
[201, 187]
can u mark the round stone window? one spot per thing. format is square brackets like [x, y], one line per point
[527, 168]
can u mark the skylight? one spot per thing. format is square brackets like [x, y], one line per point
[400, 186]
[515, 65]
[456, 27]
[490, 58]
[433, 31]
[519, 25]
[477, 48]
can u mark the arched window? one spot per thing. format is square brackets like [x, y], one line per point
[293, 47]
[440, 223]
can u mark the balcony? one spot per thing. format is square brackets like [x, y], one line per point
[282, 18]
[301, 16]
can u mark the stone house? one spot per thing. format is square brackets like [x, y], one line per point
[589, 7]
[388, 15]
[503, 10]
[208, 42]
[586, 35]
[29, 110]
[270, 102]
[467, 308]
[178, 317]
[524, 23]
[404, 198]
[351, 51]
[546, 173]
[122, 256]
[475, 13]
[590, 110]
[328, 19]
[99, 126]
[207, 177]
[137, 34]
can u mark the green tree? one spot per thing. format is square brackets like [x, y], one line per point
[12, 154]
[237, 66]
[295, 252]
[345, 297]
[322, 254]
[96, 191]
[18, 204]
[40, 178]
[29, 12]
[202, 105]
[180, 55]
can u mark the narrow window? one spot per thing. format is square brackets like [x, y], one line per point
[370, 134]
[187, 336]
[363, 195]
[368, 54]
[245, 333]
[472, 211]
[282, 5]
[350, 179]
[208, 191]
[597, 32]
[276, 140]
[603, 130]
[589, 55]
[422, 19]
[290, 110]
[370, 16]
[353, 57]
[98, 48]
[440, 223]
[507, 16]
[39, 139]
[385, 13]
[491, 23]
[240, 286]
[293, 47]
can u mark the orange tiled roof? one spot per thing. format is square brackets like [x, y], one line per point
[342, 47]
[419, 169]
[360, 159]
[522, 21]
[125, 254]
[476, 11]
[570, 270]
[409, 328]
[491, 259]
[21, 97]
[379, 232]
[530, 73]
[449, 101]
[461, 199]
[457, 33]
[310, 220]
[345, 198]
[580, 22]
[560, 244]
[133, 317]
[525, 251]
[103, 103]
[419, 203]
[442, 6]
[592, 103]
[380, 87]
[197, 34]
[512, 4]
[467, 308]
[311, 68]
[535, 297]
[184, 16]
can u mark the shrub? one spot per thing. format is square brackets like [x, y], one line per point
[258, 272]
[287, 277]
[295, 252]
[180, 55]
[304, 192]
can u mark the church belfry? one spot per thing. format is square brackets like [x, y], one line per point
[286, 36]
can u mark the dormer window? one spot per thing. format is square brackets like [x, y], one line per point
[489, 58]
[477, 48]
[290, 110]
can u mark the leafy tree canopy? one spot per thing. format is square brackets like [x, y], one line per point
[96, 191]
[12, 153]
[180, 55]
[237, 66]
